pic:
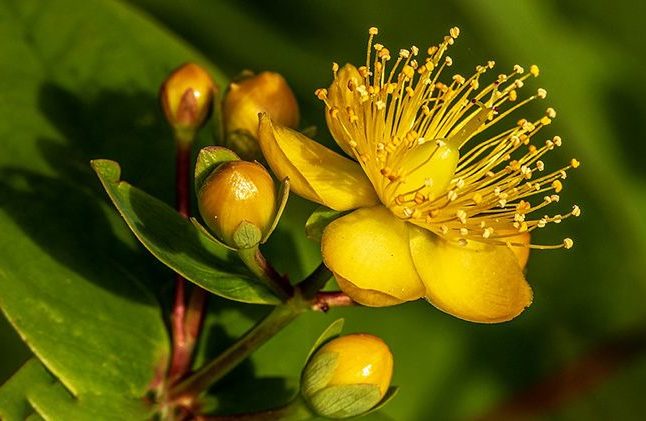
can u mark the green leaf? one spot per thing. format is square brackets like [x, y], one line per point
[318, 220]
[176, 242]
[347, 400]
[33, 393]
[283, 195]
[390, 394]
[331, 332]
[247, 235]
[14, 403]
[318, 372]
[208, 159]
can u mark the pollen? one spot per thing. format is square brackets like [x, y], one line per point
[423, 138]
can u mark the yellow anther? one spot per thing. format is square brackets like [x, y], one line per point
[550, 112]
[546, 120]
[448, 61]
[408, 71]
[534, 70]
[519, 69]
[459, 79]
[557, 186]
[576, 211]
[461, 215]
[513, 95]
[464, 231]
[541, 93]
[373, 30]
[454, 32]
[321, 93]
[568, 243]
[574, 163]
[523, 206]
[335, 67]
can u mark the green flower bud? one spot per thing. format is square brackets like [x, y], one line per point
[238, 203]
[267, 92]
[186, 97]
[347, 376]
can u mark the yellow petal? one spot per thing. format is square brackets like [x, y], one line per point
[370, 249]
[366, 297]
[522, 253]
[315, 172]
[339, 97]
[480, 283]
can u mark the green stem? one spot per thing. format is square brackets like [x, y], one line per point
[260, 267]
[315, 281]
[280, 317]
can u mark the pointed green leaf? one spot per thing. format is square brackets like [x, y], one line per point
[247, 235]
[176, 242]
[331, 332]
[345, 401]
[390, 394]
[318, 220]
[318, 372]
[33, 393]
[14, 404]
[208, 159]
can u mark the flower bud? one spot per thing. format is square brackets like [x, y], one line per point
[235, 196]
[186, 97]
[347, 376]
[267, 92]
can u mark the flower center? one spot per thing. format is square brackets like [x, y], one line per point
[410, 133]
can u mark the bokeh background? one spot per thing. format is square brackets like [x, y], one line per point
[87, 89]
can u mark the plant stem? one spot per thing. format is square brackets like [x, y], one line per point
[280, 317]
[256, 262]
[185, 322]
[315, 281]
[325, 300]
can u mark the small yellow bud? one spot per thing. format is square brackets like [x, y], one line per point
[186, 97]
[348, 376]
[267, 92]
[235, 193]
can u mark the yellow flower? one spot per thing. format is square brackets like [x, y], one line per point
[442, 210]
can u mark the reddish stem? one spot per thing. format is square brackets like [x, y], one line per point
[324, 300]
[181, 353]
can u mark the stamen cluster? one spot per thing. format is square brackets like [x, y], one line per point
[411, 133]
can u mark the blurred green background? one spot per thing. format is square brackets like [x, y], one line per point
[78, 81]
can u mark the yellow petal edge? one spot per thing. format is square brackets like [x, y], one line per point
[369, 252]
[478, 283]
[315, 172]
